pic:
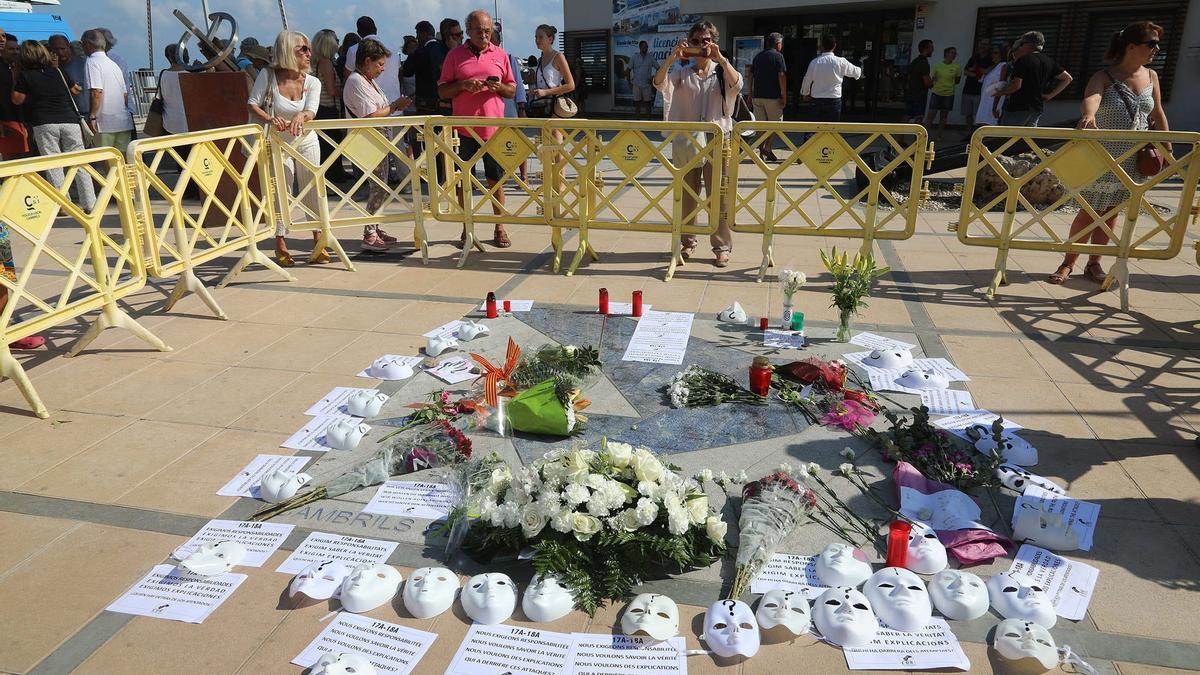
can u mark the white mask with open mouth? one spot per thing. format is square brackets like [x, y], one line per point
[844, 617]
[784, 608]
[926, 553]
[365, 403]
[889, 359]
[430, 591]
[489, 598]
[1013, 448]
[732, 314]
[437, 345]
[342, 664]
[469, 330]
[1017, 479]
[653, 614]
[370, 586]
[320, 580]
[842, 565]
[1014, 598]
[958, 595]
[730, 629]
[1048, 530]
[390, 369]
[1017, 640]
[547, 599]
[280, 485]
[214, 558]
[899, 598]
[344, 435]
[915, 378]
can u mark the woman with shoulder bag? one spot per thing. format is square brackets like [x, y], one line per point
[46, 93]
[553, 79]
[1126, 95]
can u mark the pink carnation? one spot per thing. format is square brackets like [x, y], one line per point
[848, 415]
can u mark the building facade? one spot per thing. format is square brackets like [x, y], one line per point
[883, 36]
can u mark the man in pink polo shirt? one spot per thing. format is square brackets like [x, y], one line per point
[477, 77]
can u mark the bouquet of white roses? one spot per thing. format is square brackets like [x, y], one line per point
[697, 386]
[791, 281]
[601, 521]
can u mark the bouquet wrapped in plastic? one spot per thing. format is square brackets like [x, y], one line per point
[772, 507]
[542, 410]
[546, 389]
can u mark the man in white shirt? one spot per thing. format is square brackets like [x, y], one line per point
[640, 73]
[367, 31]
[822, 86]
[108, 95]
[110, 41]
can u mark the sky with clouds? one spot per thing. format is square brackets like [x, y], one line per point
[260, 18]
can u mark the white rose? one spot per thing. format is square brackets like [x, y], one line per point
[569, 349]
[628, 520]
[585, 526]
[619, 454]
[716, 529]
[672, 502]
[532, 520]
[705, 475]
[646, 466]
[647, 511]
[697, 508]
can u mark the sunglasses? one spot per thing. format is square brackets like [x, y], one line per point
[696, 42]
[459, 34]
[304, 49]
[1152, 44]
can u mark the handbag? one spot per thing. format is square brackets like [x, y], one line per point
[1150, 161]
[89, 138]
[154, 117]
[742, 112]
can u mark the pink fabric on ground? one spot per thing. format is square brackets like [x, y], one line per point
[969, 547]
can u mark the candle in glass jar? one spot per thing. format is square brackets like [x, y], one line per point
[637, 303]
[603, 301]
[760, 376]
[491, 306]
[897, 548]
[508, 306]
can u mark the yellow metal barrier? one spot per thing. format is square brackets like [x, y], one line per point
[369, 144]
[229, 170]
[1139, 217]
[815, 189]
[64, 272]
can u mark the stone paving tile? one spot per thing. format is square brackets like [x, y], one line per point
[230, 393]
[300, 349]
[146, 389]
[231, 345]
[25, 536]
[36, 448]
[86, 373]
[283, 413]
[1168, 475]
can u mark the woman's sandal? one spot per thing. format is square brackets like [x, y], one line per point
[284, 259]
[687, 250]
[1095, 272]
[722, 259]
[500, 239]
[1060, 276]
[31, 342]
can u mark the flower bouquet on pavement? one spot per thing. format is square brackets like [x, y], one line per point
[601, 521]
[697, 386]
[934, 452]
[772, 507]
[851, 285]
[434, 444]
[823, 395]
[546, 388]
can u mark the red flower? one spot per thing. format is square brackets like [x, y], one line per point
[860, 397]
[815, 371]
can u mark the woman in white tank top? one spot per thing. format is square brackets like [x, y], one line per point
[553, 76]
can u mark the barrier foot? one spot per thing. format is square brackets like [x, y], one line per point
[585, 248]
[676, 256]
[250, 257]
[419, 243]
[998, 277]
[327, 240]
[10, 368]
[189, 282]
[111, 316]
[1119, 274]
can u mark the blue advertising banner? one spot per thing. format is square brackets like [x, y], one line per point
[660, 24]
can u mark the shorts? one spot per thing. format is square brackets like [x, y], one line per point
[914, 107]
[939, 102]
[467, 147]
[643, 93]
[767, 110]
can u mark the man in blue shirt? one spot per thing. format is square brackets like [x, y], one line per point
[768, 87]
[76, 69]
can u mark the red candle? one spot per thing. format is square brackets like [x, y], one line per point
[507, 306]
[763, 323]
[604, 301]
[897, 550]
[637, 303]
[760, 376]
[491, 306]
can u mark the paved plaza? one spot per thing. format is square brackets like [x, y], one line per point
[138, 441]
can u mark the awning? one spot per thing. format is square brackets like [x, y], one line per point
[34, 26]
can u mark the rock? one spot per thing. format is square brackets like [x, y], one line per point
[1043, 189]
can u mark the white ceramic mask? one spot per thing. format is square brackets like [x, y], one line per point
[1015, 478]
[547, 599]
[469, 330]
[437, 345]
[784, 608]
[923, 379]
[280, 485]
[1013, 448]
[430, 591]
[214, 558]
[320, 580]
[364, 403]
[1016, 640]
[1014, 598]
[926, 553]
[489, 598]
[958, 595]
[889, 359]
[899, 598]
[390, 369]
[733, 314]
[344, 435]
[843, 565]
[369, 586]
[844, 617]
[1048, 530]
[653, 614]
[342, 664]
[730, 629]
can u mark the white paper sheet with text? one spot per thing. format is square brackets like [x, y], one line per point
[607, 654]
[334, 403]
[934, 646]
[873, 341]
[431, 501]
[311, 436]
[446, 330]
[245, 484]
[320, 546]
[167, 593]
[513, 305]
[947, 402]
[789, 572]
[260, 539]
[660, 337]
[454, 370]
[885, 380]
[957, 423]
[390, 647]
[1068, 583]
[624, 309]
[783, 339]
[410, 361]
[942, 366]
[493, 650]
[1080, 516]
